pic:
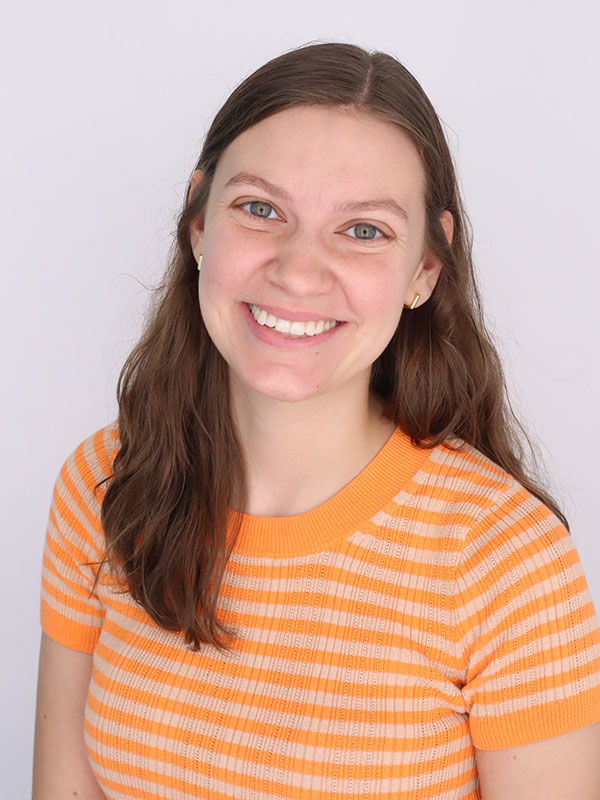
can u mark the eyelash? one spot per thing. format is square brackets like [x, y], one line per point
[358, 239]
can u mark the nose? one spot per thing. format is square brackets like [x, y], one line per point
[301, 266]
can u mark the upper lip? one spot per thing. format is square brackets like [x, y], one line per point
[296, 315]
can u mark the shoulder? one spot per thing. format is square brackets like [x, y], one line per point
[458, 470]
[461, 478]
[481, 514]
[512, 555]
[80, 487]
[90, 462]
[71, 608]
[525, 630]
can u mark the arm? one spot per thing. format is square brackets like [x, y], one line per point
[562, 768]
[60, 764]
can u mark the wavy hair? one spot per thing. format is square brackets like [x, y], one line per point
[180, 468]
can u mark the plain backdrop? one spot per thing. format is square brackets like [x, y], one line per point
[105, 106]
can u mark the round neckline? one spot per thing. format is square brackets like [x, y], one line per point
[339, 516]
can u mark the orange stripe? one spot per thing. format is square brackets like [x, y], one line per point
[477, 479]
[68, 601]
[291, 653]
[445, 494]
[207, 689]
[128, 718]
[264, 757]
[66, 630]
[515, 729]
[549, 682]
[428, 516]
[560, 624]
[377, 619]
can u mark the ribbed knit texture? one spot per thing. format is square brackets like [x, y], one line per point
[430, 606]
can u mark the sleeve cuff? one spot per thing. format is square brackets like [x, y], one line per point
[537, 723]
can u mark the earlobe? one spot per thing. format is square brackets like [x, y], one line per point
[427, 275]
[196, 240]
[422, 285]
[415, 302]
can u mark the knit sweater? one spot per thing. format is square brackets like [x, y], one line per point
[431, 606]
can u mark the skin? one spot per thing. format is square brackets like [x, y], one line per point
[305, 416]
[306, 419]
[61, 768]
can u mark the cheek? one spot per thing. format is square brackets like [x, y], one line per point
[221, 277]
[383, 299]
[231, 260]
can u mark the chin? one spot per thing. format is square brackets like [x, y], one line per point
[286, 389]
[287, 394]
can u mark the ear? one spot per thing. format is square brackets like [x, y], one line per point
[197, 224]
[429, 269]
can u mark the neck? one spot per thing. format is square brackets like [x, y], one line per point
[300, 454]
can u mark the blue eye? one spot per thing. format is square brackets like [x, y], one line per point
[258, 208]
[362, 231]
[366, 231]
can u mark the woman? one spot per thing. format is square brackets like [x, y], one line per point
[306, 560]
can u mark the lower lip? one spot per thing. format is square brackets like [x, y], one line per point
[273, 337]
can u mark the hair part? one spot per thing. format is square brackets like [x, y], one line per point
[181, 467]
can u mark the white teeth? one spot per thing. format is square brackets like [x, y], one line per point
[288, 327]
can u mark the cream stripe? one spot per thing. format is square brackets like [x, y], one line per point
[270, 639]
[569, 631]
[94, 537]
[526, 701]
[88, 620]
[383, 735]
[551, 671]
[473, 609]
[469, 460]
[453, 528]
[381, 695]
[470, 482]
[379, 748]
[344, 788]
[347, 569]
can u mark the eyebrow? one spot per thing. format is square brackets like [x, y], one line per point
[386, 204]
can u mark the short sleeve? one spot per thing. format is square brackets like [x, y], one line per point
[71, 609]
[527, 627]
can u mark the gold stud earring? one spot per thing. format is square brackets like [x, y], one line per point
[413, 305]
[199, 260]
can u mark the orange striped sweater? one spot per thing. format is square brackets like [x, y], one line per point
[431, 606]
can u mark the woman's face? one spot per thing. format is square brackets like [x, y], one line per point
[312, 241]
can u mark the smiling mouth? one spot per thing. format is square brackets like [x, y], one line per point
[291, 328]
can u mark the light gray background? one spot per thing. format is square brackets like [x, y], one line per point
[105, 106]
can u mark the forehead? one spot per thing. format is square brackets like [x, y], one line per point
[327, 149]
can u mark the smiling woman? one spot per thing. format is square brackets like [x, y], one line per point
[306, 559]
[300, 254]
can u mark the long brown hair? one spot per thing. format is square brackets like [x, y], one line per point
[180, 467]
